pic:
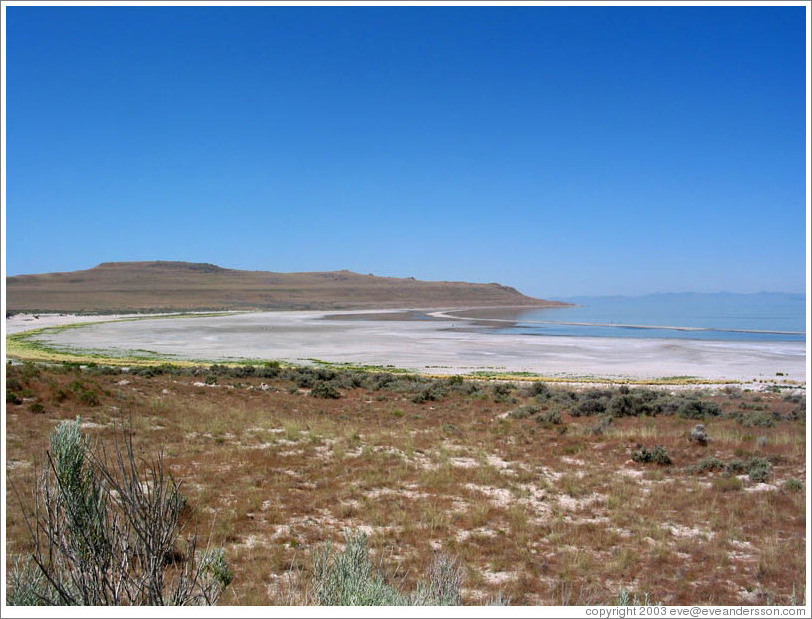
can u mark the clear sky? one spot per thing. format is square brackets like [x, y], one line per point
[560, 150]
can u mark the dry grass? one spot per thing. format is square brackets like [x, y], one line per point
[544, 514]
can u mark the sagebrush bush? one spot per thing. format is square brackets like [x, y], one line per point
[698, 409]
[102, 534]
[348, 578]
[623, 405]
[538, 390]
[757, 419]
[657, 455]
[758, 469]
[707, 464]
[590, 406]
[793, 485]
[325, 389]
[736, 467]
[502, 392]
[524, 411]
[430, 393]
[552, 415]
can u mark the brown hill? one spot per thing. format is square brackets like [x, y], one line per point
[171, 286]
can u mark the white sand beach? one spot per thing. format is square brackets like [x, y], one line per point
[435, 346]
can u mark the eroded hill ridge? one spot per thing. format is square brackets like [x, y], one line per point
[173, 286]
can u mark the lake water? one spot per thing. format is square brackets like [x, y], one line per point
[722, 316]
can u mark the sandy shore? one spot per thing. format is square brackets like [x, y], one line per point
[436, 346]
[25, 322]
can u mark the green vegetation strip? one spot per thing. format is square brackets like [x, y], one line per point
[23, 347]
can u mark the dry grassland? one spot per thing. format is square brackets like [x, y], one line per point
[172, 286]
[548, 509]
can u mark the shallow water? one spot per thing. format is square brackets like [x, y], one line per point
[766, 317]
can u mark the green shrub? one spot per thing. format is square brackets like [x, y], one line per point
[378, 381]
[707, 464]
[26, 584]
[212, 564]
[625, 598]
[698, 409]
[552, 415]
[736, 467]
[589, 407]
[657, 455]
[349, 579]
[667, 405]
[524, 411]
[465, 388]
[324, 389]
[622, 405]
[628, 404]
[793, 485]
[758, 469]
[12, 397]
[59, 394]
[430, 393]
[28, 371]
[84, 394]
[760, 419]
[538, 390]
[734, 393]
[750, 406]
[304, 377]
[268, 370]
[549, 414]
[348, 380]
[502, 392]
[91, 398]
[146, 372]
[36, 407]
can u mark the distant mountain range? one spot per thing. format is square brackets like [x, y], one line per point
[678, 296]
[187, 286]
[687, 296]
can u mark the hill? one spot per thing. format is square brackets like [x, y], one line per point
[173, 286]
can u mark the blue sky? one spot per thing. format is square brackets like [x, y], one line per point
[560, 150]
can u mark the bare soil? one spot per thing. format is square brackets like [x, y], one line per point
[547, 513]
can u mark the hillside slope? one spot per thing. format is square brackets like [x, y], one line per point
[170, 286]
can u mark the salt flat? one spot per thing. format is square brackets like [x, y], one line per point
[437, 346]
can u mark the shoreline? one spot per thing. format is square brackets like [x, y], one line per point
[395, 339]
[621, 325]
